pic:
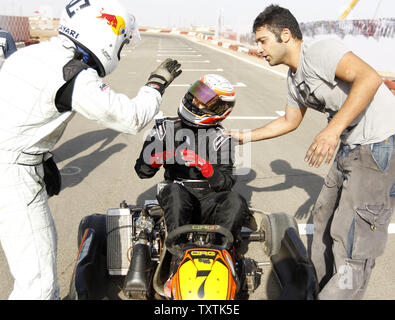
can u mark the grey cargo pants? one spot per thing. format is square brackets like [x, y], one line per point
[351, 218]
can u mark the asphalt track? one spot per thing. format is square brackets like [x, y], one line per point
[97, 163]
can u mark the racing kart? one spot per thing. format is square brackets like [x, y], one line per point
[193, 262]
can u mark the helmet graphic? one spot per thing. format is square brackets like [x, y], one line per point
[208, 101]
[205, 274]
[100, 28]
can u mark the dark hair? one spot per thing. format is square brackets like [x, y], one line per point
[276, 18]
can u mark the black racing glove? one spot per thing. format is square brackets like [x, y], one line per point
[52, 177]
[167, 71]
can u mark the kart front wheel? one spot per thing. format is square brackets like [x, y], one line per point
[274, 226]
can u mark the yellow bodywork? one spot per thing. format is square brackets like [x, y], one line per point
[204, 274]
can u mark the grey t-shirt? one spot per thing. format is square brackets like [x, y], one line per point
[315, 85]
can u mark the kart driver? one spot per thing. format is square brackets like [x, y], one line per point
[43, 86]
[198, 159]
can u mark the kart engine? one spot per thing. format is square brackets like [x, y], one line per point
[134, 243]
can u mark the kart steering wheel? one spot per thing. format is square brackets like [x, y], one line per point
[175, 249]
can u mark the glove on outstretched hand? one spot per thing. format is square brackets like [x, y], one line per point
[167, 71]
[157, 159]
[194, 160]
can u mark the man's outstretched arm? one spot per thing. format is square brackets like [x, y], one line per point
[365, 83]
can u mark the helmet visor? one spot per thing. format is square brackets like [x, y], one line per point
[209, 98]
[132, 38]
[203, 93]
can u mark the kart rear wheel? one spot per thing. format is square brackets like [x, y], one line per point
[94, 221]
[89, 279]
[274, 226]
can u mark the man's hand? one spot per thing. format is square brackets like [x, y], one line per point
[324, 145]
[241, 137]
[162, 76]
[158, 158]
[278, 127]
[194, 160]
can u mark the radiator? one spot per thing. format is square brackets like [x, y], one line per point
[119, 225]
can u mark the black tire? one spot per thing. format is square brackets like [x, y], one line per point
[95, 221]
[90, 279]
[274, 226]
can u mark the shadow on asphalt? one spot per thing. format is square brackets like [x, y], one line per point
[309, 182]
[75, 171]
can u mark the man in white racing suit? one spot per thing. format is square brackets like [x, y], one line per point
[43, 86]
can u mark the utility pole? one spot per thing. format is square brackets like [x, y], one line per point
[220, 22]
[377, 9]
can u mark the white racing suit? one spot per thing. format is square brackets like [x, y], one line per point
[30, 126]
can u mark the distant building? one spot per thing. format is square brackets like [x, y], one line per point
[229, 34]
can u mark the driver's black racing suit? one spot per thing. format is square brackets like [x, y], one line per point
[190, 197]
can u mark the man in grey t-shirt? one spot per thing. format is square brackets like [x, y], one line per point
[353, 211]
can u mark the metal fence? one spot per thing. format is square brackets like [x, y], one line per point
[376, 28]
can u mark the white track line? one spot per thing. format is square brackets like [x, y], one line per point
[282, 75]
[237, 85]
[188, 61]
[176, 48]
[205, 70]
[179, 55]
[250, 118]
[174, 51]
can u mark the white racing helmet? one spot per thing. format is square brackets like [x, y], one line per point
[101, 28]
[215, 93]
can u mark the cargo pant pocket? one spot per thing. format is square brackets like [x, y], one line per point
[370, 231]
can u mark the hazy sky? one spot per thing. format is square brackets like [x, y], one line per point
[238, 14]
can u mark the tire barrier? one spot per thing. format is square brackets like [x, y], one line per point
[376, 28]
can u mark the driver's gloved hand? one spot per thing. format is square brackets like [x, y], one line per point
[194, 160]
[52, 177]
[157, 159]
[162, 76]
